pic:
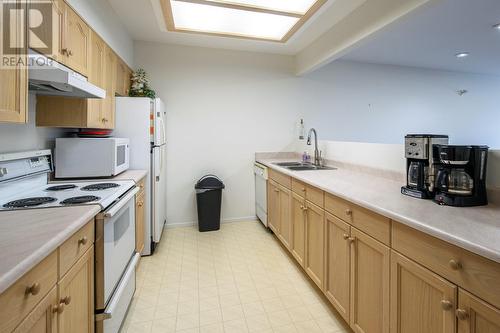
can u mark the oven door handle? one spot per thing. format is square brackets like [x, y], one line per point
[113, 303]
[121, 203]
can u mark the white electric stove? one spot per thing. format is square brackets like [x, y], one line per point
[24, 185]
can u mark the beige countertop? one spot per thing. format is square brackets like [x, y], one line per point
[29, 236]
[135, 175]
[476, 229]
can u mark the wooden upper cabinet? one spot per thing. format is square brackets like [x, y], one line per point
[315, 243]
[475, 315]
[97, 76]
[14, 83]
[76, 42]
[370, 273]
[76, 296]
[45, 33]
[421, 301]
[122, 79]
[338, 256]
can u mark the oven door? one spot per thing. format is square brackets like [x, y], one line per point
[122, 156]
[119, 240]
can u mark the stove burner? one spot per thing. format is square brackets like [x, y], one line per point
[29, 202]
[80, 200]
[61, 187]
[98, 187]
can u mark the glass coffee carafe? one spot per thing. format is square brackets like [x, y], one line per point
[459, 182]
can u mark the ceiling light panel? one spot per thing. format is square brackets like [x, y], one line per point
[287, 6]
[197, 17]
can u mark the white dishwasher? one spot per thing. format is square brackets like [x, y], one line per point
[260, 172]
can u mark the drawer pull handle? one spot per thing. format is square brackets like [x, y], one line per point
[83, 240]
[34, 289]
[348, 212]
[446, 305]
[140, 204]
[66, 300]
[455, 264]
[346, 236]
[351, 239]
[58, 308]
[462, 314]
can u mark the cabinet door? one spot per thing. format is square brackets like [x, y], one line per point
[97, 76]
[14, 79]
[421, 301]
[43, 318]
[298, 229]
[285, 229]
[76, 37]
[139, 222]
[108, 110]
[76, 296]
[475, 315]
[337, 283]
[38, 41]
[121, 78]
[273, 206]
[315, 243]
[370, 267]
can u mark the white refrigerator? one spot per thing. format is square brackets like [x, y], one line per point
[142, 120]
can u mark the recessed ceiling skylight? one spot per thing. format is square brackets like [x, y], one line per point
[272, 20]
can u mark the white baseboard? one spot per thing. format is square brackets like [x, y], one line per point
[228, 220]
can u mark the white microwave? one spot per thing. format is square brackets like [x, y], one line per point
[91, 157]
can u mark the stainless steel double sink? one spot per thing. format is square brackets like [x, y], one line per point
[299, 166]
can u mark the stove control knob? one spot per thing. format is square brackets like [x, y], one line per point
[3, 171]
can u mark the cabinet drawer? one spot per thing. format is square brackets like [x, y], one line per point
[311, 193]
[474, 273]
[22, 297]
[338, 207]
[375, 225]
[75, 247]
[280, 178]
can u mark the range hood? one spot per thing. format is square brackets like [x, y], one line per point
[48, 77]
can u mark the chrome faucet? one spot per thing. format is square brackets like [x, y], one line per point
[317, 157]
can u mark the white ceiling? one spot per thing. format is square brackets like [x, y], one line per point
[430, 36]
[144, 21]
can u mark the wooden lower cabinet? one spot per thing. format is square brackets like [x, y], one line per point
[370, 267]
[421, 301]
[475, 315]
[139, 222]
[285, 229]
[43, 318]
[338, 261]
[76, 296]
[298, 247]
[273, 203]
[315, 243]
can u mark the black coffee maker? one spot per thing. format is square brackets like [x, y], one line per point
[461, 176]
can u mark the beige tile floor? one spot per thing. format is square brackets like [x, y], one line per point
[235, 280]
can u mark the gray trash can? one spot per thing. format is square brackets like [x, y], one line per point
[208, 200]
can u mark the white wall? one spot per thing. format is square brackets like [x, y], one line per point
[349, 101]
[18, 137]
[224, 105]
[101, 17]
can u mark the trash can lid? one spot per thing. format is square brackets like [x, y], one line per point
[209, 182]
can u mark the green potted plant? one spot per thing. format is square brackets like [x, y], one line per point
[140, 85]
